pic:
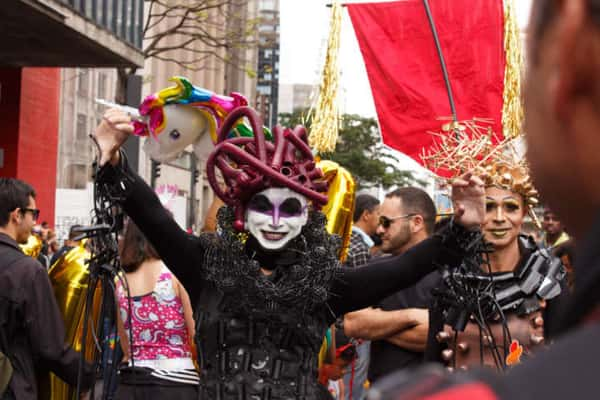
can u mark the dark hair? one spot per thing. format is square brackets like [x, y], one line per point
[14, 194]
[376, 240]
[545, 11]
[364, 202]
[417, 201]
[135, 248]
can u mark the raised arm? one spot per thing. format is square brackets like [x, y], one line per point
[182, 253]
[363, 287]
[380, 278]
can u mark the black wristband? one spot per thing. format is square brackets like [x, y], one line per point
[458, 243]
[116, 180]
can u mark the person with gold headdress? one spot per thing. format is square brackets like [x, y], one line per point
[494, 309]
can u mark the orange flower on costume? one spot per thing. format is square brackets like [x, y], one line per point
[514, 357]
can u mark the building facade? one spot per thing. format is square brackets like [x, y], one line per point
[295, 97]
[38, 38]
[80, 114]
[267, 88]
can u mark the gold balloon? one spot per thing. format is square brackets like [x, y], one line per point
[33, 246]
[340, 206]
[70, 277]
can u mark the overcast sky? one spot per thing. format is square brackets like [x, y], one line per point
[304, 30]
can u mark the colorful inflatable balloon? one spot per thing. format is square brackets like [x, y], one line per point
[33, 246]
[180, 115]
[69, 276]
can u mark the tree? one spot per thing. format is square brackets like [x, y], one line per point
[360, 151]
[201, 29]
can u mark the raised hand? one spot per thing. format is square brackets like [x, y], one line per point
[468, 200]
[112, 132]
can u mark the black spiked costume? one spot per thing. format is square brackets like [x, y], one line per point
[258, 336]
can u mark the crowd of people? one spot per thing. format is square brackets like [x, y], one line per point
[244, 312]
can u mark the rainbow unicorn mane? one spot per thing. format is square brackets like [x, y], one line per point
[215, 107]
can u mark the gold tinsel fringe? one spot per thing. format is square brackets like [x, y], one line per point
[512, 110]
[326, 120]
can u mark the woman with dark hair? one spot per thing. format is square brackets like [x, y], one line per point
[158, 315]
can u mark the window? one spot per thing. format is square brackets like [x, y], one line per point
[102, 85]
[83, 82]
[268, 53]
[81, 131]
[267, 77]
[77, 176]
[264, 90]
[267, 5]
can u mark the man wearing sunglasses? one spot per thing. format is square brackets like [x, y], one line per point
[398, 326]
[32, 333]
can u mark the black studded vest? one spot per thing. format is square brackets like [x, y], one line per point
[258, 336]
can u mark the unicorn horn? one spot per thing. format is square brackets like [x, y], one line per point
[134, 112]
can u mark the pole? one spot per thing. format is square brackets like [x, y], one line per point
[441, 57]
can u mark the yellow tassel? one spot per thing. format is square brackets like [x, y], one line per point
[512, 110]
[326, 120]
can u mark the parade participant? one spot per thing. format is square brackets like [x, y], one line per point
[492, 311]
[32, 332]
[266, 288]
[562, 91]
[161, 324]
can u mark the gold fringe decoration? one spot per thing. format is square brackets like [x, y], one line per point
[326, 121]
[512, 109]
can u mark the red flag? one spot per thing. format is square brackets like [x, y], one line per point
[404, 69]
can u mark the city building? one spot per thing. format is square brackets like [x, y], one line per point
[267, 96]
[295, 97]
[38, 38]
[80, 114]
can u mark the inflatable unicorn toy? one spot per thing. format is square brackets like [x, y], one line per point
[180, 115]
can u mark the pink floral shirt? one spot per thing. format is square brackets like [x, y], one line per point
[159, 330]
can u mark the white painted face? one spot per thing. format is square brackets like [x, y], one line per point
[275, 216]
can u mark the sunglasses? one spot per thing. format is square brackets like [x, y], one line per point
[385, 222]
[34, 212]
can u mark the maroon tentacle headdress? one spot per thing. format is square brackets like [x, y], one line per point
[252, 164]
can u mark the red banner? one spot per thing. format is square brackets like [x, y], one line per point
[404, 69]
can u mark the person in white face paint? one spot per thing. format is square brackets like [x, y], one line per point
[267, 286]
[275, 216]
